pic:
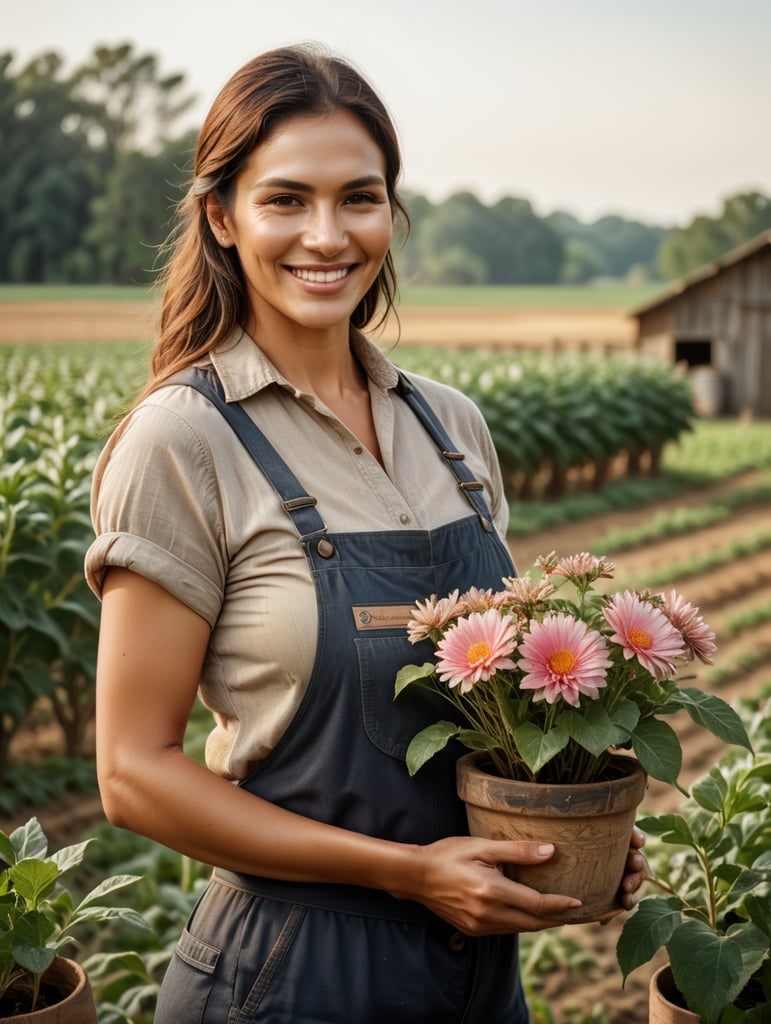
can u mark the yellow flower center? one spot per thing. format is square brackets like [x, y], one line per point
[477, 652]
[562, 661]
[640, 638]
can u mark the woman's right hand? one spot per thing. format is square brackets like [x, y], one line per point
[460, 879]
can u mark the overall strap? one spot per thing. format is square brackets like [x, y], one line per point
[295, 500]
[471, 487]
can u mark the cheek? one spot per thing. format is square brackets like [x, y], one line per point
[380, 234]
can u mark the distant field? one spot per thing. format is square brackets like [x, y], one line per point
[592, 317]
[600, 296]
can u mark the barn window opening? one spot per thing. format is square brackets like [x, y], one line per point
[694, 353]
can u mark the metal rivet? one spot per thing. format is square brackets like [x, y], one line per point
[325, 548]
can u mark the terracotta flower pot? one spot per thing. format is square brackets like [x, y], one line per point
[590, 826]
[76, 1001]
[661, 1009]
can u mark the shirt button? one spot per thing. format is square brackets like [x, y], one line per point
[457, 942]
[404, 518]
[358, 450]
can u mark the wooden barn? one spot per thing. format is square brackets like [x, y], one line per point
[717, 321]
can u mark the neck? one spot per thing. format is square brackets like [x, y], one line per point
[317, 362]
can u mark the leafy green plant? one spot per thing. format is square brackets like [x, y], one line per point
[714, 919]
[38, 912]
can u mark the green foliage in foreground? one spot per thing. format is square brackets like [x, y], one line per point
[713, 916]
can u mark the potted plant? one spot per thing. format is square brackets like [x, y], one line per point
[37, 917]
[549, 680]
[714, 915]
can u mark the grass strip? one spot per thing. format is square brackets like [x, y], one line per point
[707, 563]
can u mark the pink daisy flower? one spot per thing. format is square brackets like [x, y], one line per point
[430, 616]
[699, 638]
[563, 657]
[584, 568]
[475, 648]
[644, 632]
[477, 600]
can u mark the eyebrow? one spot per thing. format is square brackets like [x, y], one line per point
[299, 186]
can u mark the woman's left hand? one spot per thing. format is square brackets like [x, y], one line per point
[636, 871]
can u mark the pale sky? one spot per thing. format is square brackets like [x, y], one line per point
[652, 109]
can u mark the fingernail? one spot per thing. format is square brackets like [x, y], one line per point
[545, 848]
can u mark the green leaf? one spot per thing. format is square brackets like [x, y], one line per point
[708, 969]
[125, 914]
[33, 879]
[658, 750]
[427, 742]
[624, 716]
[671, 828]
[36, 959]
[646, 931]
[536, 747]
[475, 740]
[409, 674]
[70, 856]
[710, 791]
[29, 840]
[714, 714]
[107, 886]
[591, 728]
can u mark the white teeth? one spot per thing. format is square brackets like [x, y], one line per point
[320, 276]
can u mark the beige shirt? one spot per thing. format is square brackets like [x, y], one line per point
[178, 500]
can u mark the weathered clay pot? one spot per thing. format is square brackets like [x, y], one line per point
[77, 1004]
[590, 826]
[660, 1009]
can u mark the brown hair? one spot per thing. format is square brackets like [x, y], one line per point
[204, 296]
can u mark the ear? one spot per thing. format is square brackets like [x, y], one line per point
[219, 220]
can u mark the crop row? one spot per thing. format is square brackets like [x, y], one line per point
[550, 415]
[57, 407]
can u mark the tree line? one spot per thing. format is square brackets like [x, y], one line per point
[94, 162]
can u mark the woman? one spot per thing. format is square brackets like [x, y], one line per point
[265, 518]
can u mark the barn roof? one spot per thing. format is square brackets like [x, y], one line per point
[709, 270]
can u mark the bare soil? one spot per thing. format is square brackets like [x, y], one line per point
[472, 326]
[744, 584]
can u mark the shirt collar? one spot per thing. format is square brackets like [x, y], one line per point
[244, 369]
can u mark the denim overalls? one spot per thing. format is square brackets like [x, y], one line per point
[258, 949]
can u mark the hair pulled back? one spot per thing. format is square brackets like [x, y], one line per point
[204, 294]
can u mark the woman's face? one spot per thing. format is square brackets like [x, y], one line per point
[311, 221]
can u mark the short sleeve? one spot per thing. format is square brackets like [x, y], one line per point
[156, 510]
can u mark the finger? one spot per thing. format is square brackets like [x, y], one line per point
[517, 851]
[637, 840]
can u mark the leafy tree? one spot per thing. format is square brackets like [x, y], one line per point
[132, 217]
[504, 244]
[80, 151]
[54, 157]
[613, 246]
[141, 104]
[707, 238]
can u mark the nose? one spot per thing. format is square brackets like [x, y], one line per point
[324, 231]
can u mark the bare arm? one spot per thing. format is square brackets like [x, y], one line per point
[151, 651]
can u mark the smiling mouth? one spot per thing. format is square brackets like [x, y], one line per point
[321, 276]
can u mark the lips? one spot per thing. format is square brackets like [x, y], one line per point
[321, 276]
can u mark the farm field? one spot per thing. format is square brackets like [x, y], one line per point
[505, 317]
[733, 591]
[575, 993]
